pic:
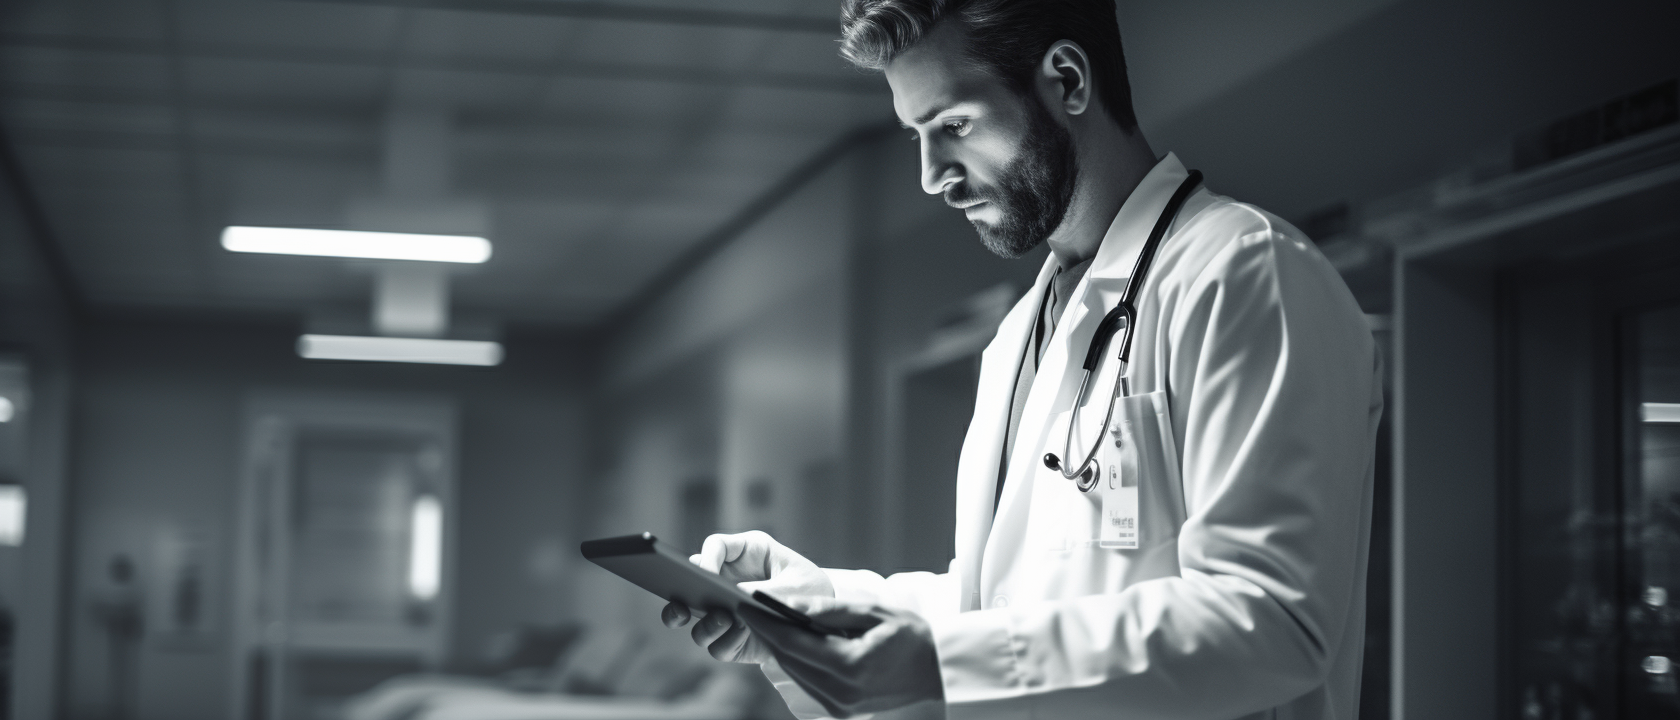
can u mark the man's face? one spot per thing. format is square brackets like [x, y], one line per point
[992, 152]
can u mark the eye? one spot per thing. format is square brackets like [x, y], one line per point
[958, 128]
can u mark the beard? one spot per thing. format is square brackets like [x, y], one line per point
[1033, 191]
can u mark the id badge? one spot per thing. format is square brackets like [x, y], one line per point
[1119, 488]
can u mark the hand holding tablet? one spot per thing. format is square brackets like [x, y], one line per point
[655, 567]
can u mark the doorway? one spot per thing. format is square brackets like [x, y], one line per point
[1650, 512]
[347, 508]
[1591, 492]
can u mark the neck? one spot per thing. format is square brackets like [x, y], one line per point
[1111, 164]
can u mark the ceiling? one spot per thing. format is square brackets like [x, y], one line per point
[594, 142]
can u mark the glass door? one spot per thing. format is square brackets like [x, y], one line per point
[14, 411]
[1651, 520]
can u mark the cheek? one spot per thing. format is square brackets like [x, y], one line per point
[989, 157]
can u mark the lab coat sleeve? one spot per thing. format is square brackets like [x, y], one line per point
[1271, 369]
[922, 592]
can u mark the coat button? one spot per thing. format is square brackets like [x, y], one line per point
[1000, 601]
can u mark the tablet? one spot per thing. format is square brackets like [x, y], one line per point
[659, 569]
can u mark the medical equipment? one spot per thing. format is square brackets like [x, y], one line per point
[1122, 318]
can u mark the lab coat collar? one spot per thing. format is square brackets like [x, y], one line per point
[1137, 216]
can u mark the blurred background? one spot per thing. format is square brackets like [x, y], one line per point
[716, 301]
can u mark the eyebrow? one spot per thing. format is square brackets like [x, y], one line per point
[929, 115]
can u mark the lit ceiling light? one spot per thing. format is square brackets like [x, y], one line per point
[1653, 412]
[400, 349]
[13, 506]
[356, 244]
[425, 549]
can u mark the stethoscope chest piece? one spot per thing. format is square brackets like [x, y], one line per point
[1086, 479]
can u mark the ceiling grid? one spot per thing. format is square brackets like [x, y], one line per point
[606, 138]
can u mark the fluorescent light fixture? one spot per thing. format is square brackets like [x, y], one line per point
[13, 504]
[7, 409]
[1660, 412]
[425, 556]
[356, 244]
[399, 349]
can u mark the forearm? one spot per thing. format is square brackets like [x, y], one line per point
[924, 593]
[1194, 646]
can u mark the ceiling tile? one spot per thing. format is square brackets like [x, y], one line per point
[437, 33]
[289, 24]
[783, 109]
[610, 102]
[352, 87]
[334, 131]
[811, 54]
[290, 192]
[84, 18]
[468, 91]
[78, 69]
[686, 46]
[24, 115]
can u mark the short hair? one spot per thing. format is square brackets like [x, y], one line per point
[1007, 38]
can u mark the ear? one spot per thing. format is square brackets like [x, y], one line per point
[1065, 75]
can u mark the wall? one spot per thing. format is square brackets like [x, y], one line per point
[37, 312]
[158, 437]
[1408, 92]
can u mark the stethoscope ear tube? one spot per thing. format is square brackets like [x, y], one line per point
[1146, 256]
[1110, 324]
[1124, 315]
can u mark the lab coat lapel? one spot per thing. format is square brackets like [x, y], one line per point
[1056, 384]
[988, 431]
[1131, 226]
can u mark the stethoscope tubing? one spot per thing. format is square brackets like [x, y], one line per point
[1123, 316]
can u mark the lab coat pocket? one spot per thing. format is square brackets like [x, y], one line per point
[1147, 488]
[1061, 515]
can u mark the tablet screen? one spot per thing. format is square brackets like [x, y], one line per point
[666, 572]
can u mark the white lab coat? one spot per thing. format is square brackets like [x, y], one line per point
[1246, 597]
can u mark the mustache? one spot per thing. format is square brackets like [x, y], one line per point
[962, 194]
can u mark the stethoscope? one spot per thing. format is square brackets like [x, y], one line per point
[1122, 318]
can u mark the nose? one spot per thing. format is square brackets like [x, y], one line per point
[939, 169]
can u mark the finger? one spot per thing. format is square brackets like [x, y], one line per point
[728, 646]
[718, 550]
[781, 587]
[710, 628]
[675, 615]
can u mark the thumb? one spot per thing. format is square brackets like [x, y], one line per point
[769, 587]
[780, 588]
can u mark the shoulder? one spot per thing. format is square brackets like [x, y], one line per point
[1225, 241]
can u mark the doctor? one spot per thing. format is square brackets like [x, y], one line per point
[1209, 560]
